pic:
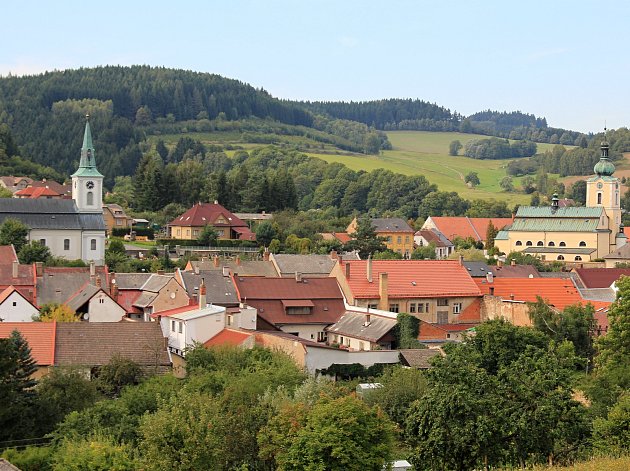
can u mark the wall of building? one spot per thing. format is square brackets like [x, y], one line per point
[17, 309]
[293, 348]
[54, 241]
[405, 305]
[352, 343]
[515, 312]
[102, 308]
[321, 358]
[401, 242]
[192, 233]
[164, 301]
[305, 331]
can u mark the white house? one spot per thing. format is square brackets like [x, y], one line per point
[14, 307]
[93, 304]
[72, 229]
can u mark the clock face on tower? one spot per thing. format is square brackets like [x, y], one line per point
[89, 185]
[599, 185]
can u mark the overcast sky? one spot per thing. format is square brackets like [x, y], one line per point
[568, 61]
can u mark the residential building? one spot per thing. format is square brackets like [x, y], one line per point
[115, 217]
[363, 331]
[464, 227]
[236, 265]
[481, 270]
[397, 232]
[60, 284]
[189, 225]
[436, 291]
[143, 294]
[419, 358]
[43, 192]
[13, 273]
[312, 265]
[14, 184]
[599, 277]
[341, 237]
[72, 229]
[439, 334]
[621, 255]
[220, 289]
[15, 307]
[300, 306]
[443, 246]
[93, 304]
[571, 234]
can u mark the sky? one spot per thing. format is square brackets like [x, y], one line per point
[568, 61]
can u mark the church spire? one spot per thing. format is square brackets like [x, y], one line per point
[604, 167]
[87, 164]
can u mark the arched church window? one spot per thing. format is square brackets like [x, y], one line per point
[562, 244]
[540, 243]
[519, 243]
[582, 244]
[90, 198]
[551, 244]
[560, 257]
[529, 243]
[92, 244]
[578, 258]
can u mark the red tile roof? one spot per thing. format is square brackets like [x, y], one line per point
[412, 279]
[207, 213]
[24, 282]
[7, 255]
[36, 192]
[465, 227]
[177, 310]
[40, 337]
[600, 277]
[126, 298]
[342, 237]
[228, 337]
[558, 292]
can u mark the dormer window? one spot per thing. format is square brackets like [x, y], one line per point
[298, 307]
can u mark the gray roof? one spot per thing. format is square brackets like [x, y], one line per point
[306, 264]
[556, 274]
[50, 214]
[243, 267]
[477, 269]
[352, 324]
[131, 280]
[598, 294]
[391, 225]
[58, 284]
[145, 299]
[82, 297]
[219, 289]
[156, 282]
[622, 253]
[419, 357]
[560, 250]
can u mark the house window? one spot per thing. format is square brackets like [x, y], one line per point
[119, 222]
[442, 302]
[529, 243]
[393, 307]
[172, 326]
[101, 301]
[42, 241]
[14, 303]
[322, 337]
[599, 198]
[92, 244]
[406, 239]
[66, 244]
[560, 257]
[399, 239]
[442, 317]
[582, 244]
[372, 306]
[179, 232]
[426, 307]
[519, 243]
[180, 327]
[412, 307]
[347, 342]
[420, 307]
[195, 232]
[578, 258]
[562, 244]
[457, 308]
[229, 320]
[90, 198]
[220, 233]
[540, 243]
[298, 310]
[188, 232]
[389, 239]
[552, 244]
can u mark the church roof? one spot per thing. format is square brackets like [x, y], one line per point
[50, 214]
[566, 212]
[87, 164]
[555, 225]
[560, 250]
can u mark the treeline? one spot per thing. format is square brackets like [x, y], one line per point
[495, 148]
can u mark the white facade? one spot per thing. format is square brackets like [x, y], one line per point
[319, 358]
[313, 332]
[87, 193]
[198, 325]
[15, 308]
[102, 308]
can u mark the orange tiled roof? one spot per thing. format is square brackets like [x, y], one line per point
[7, 255]
[412, 279]
[39, 335]
[465, 227]
[36, 192]
[227, 337]
[558, 292]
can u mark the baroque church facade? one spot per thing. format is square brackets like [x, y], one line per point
[571, 234]
[70, 228]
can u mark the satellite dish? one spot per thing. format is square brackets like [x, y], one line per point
[86, 317]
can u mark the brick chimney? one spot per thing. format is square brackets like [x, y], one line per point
[202, 295]
[298, 277]
[238, 259]
[499, 263]
[368, 270]
[347, 270]
[113, 290]
[266, 254]
[461, 260]
[39, 269]
[489, 277]
[98, 282]
[383, 292]
[333, 255]
[92, 272]
[15, 269]
[215, 260]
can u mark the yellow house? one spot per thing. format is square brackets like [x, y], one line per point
[397, 233]
[190, 224]
[115, 217]
[571, 234]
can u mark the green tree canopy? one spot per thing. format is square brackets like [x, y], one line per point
[13, 232]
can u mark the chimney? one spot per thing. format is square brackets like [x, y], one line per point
[160, 272]
[382, 292]
[196, 269]
[266, 254]
[92, 268]
[238, 259]
[15, 269]
[226, 271]
[298, 277]
[367, 319]
[204, 258]
[513, 263]
[489, 277]
[333, 255]
[202, 294]
[215, 260]
[512, 296]
[461, 260]
[98, 282]
[492, 291]
[347, 271]
[39, 269]
[369, 268]
[113, 290]
[499, 263]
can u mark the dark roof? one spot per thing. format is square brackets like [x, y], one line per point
[477, 269]
[203, 214]
[131, 280]
[219, 289]
[515, 271]
[243, 267]
[94, 343]
[156, 282]
[419, 357]
[391, 225]
[622, 253]
[58, 284]
[434, 236]
[353, 324]
[600, 277]
[289, 264]
[50, 214]
[83, 296]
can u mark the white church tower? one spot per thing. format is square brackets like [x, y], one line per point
[87, 181]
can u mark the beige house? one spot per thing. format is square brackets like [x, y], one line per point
[115, 217]
[571, 234]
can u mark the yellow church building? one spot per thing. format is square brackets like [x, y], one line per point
[571, 234]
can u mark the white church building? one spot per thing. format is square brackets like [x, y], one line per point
[72, 229]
